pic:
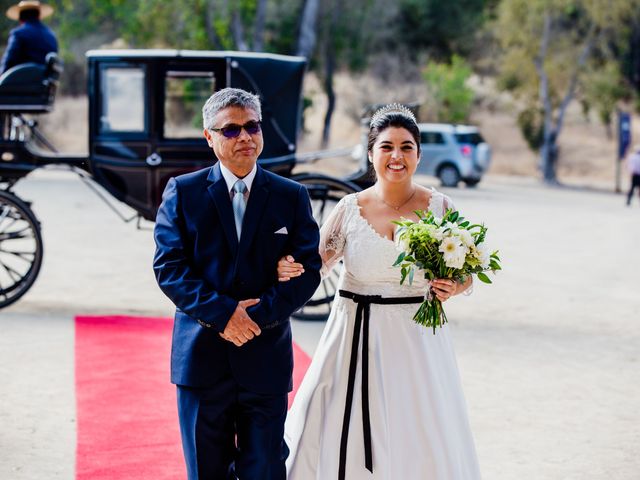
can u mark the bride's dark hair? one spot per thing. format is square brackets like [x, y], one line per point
[394, 115]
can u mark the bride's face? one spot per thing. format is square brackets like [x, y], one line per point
[394, 155]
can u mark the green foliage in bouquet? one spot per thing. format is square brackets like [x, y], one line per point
[447, 247]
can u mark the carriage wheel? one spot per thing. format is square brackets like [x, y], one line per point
[325, 193]
[20, 248]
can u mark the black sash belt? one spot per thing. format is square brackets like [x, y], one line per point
[363, 306]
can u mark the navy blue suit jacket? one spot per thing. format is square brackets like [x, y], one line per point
[201, 267]
[30, 42]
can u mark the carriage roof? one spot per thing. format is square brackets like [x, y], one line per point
[192, 54]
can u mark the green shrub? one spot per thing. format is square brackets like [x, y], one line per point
[531, 126]
[447, 87]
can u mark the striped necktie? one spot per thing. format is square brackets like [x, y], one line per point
[239, 205]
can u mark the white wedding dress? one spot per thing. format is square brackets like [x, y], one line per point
[418, 417]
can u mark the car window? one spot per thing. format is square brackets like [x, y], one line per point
[431, 137]
[470, 138]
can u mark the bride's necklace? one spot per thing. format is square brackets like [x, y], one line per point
[396, 207]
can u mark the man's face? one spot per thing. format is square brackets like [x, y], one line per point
[238, 154]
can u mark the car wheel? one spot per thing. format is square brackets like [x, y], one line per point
[449, 176]
[471, 182]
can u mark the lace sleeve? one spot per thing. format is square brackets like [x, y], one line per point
[332, 237]
[447, 204]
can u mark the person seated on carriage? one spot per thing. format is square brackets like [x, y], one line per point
[32, 40]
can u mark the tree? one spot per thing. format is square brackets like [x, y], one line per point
[605, 88]
[308, 28]
[198, 24]
[628, 49]
[347, 35]
[437, 27]
[258, 26]
[446, 84]
[549, 45]
[333, 35]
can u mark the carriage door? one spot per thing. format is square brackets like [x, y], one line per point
[120, 143]
[181, 146]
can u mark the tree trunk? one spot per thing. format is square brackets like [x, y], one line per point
[608, 129]
[634, 55]
[331, 96]
[330, 65]
[210, 9]
[258, 26]
[308, 25]
[549, 157]
[551, 132]
[238, 30]
[547, 163]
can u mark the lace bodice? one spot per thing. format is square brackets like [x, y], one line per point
[368, 257]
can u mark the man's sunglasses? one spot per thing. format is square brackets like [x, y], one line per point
[233, 130]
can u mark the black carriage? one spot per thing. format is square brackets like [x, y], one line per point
[144, 128]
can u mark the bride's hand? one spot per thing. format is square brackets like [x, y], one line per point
[444, 288]
[288, 268]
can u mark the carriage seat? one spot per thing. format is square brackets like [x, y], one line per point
[30, 87]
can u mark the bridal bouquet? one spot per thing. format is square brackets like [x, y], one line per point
[447, 247]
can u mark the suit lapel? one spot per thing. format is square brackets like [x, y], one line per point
[255, 207]
[222, 200]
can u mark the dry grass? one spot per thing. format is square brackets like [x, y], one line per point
[67, 127]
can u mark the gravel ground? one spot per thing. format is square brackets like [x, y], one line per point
[548, 354]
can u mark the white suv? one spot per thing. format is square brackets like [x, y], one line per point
[453, 153]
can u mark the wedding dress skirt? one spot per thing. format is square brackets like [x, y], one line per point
[418, 417]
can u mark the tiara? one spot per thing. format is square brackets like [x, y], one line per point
[392, 108]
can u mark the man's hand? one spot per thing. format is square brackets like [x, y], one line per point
[288, 268]
[240, 328]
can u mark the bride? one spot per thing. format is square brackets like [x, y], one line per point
[382, 398]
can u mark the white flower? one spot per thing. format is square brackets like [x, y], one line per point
[430, 229]
[455, 261]
[450, 245]
[483, 255]
[402, 242]
[453, 227]
[438, 234]
[453, 252]
[466, 237]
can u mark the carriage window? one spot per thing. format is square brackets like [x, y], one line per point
[185, 94]
[122, 91]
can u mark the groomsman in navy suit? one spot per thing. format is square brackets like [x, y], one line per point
[219, 234]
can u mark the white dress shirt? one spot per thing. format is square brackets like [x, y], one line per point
[230, 179]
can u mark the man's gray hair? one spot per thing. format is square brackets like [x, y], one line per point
[229, 97]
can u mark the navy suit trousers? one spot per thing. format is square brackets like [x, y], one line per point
[209, 420]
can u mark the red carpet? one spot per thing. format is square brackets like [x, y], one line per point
[126, 407]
